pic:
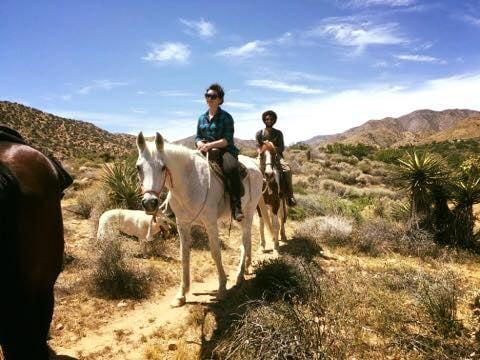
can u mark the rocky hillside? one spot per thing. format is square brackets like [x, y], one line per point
[415, 127]
[65, 138]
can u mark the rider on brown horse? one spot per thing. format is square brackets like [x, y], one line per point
[275, 136]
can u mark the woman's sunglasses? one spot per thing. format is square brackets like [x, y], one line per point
[211, 96]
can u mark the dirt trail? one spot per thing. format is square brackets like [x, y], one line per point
[142, 322]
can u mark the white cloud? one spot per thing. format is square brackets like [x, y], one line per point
[100, 85]
[391, 3]
[174, 93]
[282, 86]
[139, 111]
[351, 32]
[201, 28]
[66, 97]
[472, 20]
[249, 49]
[303, 118]
[419, 58]
[168, 52]
[239, 105]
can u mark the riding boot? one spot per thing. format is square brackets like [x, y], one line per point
[289, 188]
[235, 196]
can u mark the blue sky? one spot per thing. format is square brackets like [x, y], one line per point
[323, 65]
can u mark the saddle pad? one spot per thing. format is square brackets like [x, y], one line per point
[217, 169]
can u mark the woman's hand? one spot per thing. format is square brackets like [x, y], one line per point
[204, 147]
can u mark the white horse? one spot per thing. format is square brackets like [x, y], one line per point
[197, 197]
[275, 201]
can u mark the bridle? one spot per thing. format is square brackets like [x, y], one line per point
[167, 172]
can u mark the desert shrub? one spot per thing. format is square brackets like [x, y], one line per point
[376, 236]
[366, 179]
[199, 238]
[301, 328]
[85, 203]
[121, 182]
[113, 277]
[337, 158]
[388, 155]
[300, 187]
[439, 299]
[102, 203]
[299, 146]
[358, 150]
[353, 192]
[345, 177]
[332, 230]
[296, 213]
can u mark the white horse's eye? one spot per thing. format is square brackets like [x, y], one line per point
[139, 168]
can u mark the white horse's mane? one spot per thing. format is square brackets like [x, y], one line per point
[176, 155]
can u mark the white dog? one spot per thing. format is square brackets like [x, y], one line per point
[131, 222]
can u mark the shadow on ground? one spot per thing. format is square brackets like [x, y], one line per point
[277, 279]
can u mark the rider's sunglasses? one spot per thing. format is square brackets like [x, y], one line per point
[211, 96]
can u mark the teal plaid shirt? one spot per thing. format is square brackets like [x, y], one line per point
[220, 127]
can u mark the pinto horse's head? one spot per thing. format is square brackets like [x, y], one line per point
[268, 151]
[152, 171]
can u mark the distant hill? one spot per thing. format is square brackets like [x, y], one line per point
[416, 127]
[65, 138]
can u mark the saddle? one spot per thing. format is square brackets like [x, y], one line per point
[216, 168]
[11, 135]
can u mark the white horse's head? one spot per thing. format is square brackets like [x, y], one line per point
[152, 171]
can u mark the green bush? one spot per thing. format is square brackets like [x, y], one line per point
[296, 213]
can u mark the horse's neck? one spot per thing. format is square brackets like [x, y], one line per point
[184, 166]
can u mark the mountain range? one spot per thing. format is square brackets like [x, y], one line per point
[67, 138]
[421, 126]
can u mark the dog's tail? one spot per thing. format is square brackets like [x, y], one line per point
[264, 214]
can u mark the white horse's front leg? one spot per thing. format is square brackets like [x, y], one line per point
[185, 242]
[214, 241]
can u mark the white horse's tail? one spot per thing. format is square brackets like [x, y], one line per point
[265, 216]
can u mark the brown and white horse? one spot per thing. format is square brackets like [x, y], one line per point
[31, 249]
[273, 196]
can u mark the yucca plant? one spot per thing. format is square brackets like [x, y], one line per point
[465, 193]
[122, 184]
[419, 173]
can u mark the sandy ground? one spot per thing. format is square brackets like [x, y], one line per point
[85, 326]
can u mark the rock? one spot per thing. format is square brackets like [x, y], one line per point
[59, 327]
[172, 347]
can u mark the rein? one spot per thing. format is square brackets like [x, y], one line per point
[157, 193]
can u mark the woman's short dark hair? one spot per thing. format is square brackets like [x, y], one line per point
[218, 89]
[272, 114]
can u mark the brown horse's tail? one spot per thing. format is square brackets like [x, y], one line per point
[9, 194]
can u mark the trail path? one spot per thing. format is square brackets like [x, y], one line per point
[145, 319]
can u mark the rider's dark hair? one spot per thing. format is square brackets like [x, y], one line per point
[219, 90]
[272, 113]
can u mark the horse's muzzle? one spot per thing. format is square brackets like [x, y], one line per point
[150, 205]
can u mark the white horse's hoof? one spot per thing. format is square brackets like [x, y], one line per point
[178, 301]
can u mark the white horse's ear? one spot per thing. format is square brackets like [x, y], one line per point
[159, 141]
[140, 141]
